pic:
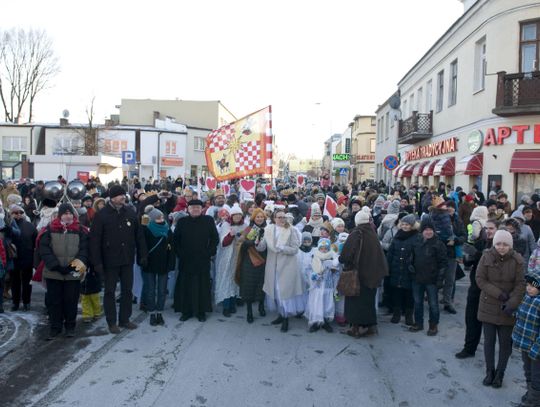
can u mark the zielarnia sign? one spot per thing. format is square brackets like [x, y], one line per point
[341, 157]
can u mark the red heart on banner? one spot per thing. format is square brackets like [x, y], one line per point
[211, 183]
[267, 187]
[300, 180]
[330, 207]
[247, 185]
[226, 189]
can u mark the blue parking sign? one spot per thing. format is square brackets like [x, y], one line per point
[128, 157]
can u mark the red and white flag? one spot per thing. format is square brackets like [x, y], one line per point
[330, 207]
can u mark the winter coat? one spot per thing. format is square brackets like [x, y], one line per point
[160, 257]
[429, 260]
[465, 211]
[386, 224]
[363, 252]
[115, 235]
[497, 275]
[526, 333]
[399, 258]
[442, 223]
[281, 262]
[388, 237]
[25, 244]
[250, 277]
[59, 246]
[528, 236]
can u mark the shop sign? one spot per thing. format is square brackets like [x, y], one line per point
[365, 157]
[432, 150]
[341, 157]
[493, 138]
[475, 141]
[172, 162]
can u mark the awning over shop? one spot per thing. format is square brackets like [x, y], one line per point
[525, 162]
[471, 165]
[428, 169]
[397, 169]
[406, 171]
[419, 168]
[446, 167]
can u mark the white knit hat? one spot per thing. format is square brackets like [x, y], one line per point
[315, 209]
[363, 216]
[236, 210]
[503, 236]
[337, 222]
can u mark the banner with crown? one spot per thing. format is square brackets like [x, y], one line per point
[242, 148]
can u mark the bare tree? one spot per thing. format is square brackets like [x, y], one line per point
[27, 64]
[90, 132]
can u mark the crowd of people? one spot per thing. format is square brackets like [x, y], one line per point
[385, 247]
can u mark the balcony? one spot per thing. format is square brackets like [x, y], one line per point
[416, 128]
[517, 94]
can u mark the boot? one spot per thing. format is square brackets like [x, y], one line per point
[526, 395]
[226, 311]
[409, 321]
[533, 398]
[314, 328]
[369, 331]
[432, 331]
[498, 379]
[249, 313]
[153, 319]
[160, 319]
[490, 375]
[114, 329]
[277, 321]
[262, 311]
[327, 327]
[233, 306]
[396, 317]
[285, 325]
[416, 328]
[464, 354]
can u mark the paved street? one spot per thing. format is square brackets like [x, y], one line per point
[228, 362]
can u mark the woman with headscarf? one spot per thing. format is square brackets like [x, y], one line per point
[251, 263]
[363, 253]
[283, 283]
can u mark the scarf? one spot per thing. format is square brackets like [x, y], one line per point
[316, 224]
[158, 229]
[277, 236]
[306, 249]
[57, 226]
[317, 261]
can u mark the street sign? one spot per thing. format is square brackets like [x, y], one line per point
[128, 157]
[343, 171]
[391, 162]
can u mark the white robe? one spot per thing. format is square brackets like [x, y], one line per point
[320, 306]
[226, 258]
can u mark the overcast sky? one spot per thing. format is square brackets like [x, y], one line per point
[318, 63]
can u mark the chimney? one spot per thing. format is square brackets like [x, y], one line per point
[64, 121]
[156, 114]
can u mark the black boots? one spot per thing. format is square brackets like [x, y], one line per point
[277, 321]
[497, 380]
[409, 320]
[396, 317]
[285, 325]
[490, 375]
[262, 311]
[433, 329]
[249, 313]
[326, 326]
[464, 354]
[153, 319]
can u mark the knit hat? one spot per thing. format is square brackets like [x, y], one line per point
[394, 207]
[13, 199]
[116, 190]
[315, 209]
[154, 214]
[337, 222]
[236, 210]
[492, 193]
[491, 202]
[86, 198]
[533, 279]
[518, 215]
[195, 202]
[469, 198]
[49, 203]
[409, 219]
[324, 243]
[363, 216]
[426, 224]
[66, 207]
[320, 196]
[502, 236]
[15, 208]
[307, 236]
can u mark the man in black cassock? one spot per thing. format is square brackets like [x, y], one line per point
[195, 242]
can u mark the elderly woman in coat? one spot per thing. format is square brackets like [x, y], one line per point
[282, 282]
[501, 278]
[363, 252]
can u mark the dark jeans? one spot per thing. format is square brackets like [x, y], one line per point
[20, 281]
[473, 327]
[432, 294]
[449, 282]
[504, 334]
[112, 275]
[154, 289]
[402, 299]
[532, 370]
[62, 300]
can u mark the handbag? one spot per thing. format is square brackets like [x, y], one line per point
[255, 258]
[469, 252]
[11, 250]
[349, 281]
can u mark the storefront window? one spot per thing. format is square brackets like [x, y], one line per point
[527, 184]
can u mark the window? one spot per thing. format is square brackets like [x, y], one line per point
[193, 171]
[440, 91]
[452, 95]
[199, 144]
[429, 87]
[12, 143]
[405, 111]
[373, 122]
[372, 145]
[480, 65]
[386, 129]
[411, 104]
[419, 99]
[529, 45]
[347, 146]
[379, 129]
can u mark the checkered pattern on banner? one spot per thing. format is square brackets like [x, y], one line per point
[220, 138]
[248, 157]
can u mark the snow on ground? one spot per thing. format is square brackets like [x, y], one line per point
[226, 361]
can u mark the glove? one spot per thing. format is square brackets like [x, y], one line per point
[503, 297]
[66, 270]
[507, 310]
